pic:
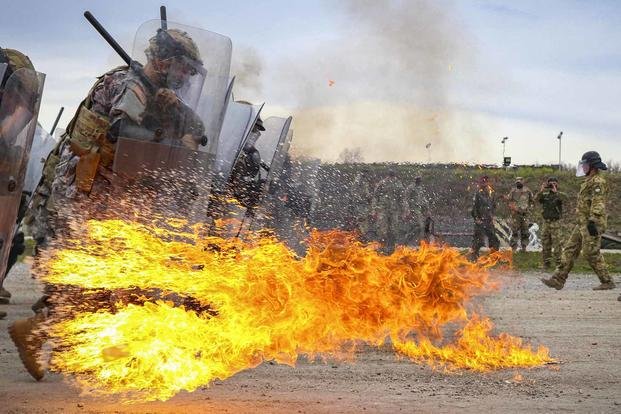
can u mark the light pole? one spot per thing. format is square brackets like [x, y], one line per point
[560, 136]
[428, 146]
[504, 140]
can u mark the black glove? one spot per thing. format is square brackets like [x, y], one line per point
[592, 228]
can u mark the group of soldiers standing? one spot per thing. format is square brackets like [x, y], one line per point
[557, 254]
[389, 211]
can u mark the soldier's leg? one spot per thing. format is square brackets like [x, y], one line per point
[571, 251]
[593, 255]
[492, 239]
[546, 244]
[523, 231]
[477, 241]
[556, 241]
[515, 230]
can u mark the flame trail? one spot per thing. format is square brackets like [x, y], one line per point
[147, 311]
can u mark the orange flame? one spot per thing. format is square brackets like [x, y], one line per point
[171, 311]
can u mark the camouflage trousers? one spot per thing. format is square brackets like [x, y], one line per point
[388, 230]
[581, 240]
[551, 243]
[519, 229]
[478, 239]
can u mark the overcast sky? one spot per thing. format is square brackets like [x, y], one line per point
[461, 74]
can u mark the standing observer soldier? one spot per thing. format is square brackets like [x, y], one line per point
[388, 210]
[592, 219]
[416, 211]
[520, 201]
[551, 201]
[360, 203]
[483, 210]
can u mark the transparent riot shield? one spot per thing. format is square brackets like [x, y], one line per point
[174, 137]
[42, 145]
[21, 98]
[273, 146]
[238, 122]
[207, 91]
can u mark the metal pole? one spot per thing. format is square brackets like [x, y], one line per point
[560, 136]
[163, 18]
[60, 113]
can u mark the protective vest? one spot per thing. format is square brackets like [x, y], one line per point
[86, 134]
[552, 205]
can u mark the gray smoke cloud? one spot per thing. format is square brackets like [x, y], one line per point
[247, 66]
[383, 85]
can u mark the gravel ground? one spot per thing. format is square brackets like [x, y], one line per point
[582, 328]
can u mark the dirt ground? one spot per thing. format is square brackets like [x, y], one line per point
[582, 328]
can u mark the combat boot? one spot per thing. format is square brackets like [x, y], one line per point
[28, 344]
[605, 286]
[3, 314]
[5, 295]
[553, 282]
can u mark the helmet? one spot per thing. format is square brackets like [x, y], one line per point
[171, 43]
[16, 61]
[552, 179]
[590, 159]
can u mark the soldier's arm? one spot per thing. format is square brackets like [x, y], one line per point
[597, 212]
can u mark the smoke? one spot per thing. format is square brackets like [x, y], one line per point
[383, 84]
[247, 66]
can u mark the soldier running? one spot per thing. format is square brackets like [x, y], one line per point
[80, 167]
[586, 236]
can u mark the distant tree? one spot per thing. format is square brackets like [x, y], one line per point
[351, 156]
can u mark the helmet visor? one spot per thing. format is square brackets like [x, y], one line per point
[582, 169]
[186, 77]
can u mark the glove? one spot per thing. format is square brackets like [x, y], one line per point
[592, 228]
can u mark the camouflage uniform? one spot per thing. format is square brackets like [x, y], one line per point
[360, 207]
[82, 160]
[520, 203]
[388, 206]
[591, 207]
[483, 210]
[417, 206]
[552, 209]
[586, 234]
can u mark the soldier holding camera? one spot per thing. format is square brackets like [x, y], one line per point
[551, 201]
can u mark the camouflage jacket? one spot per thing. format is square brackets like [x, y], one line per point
[551, 204]
[520, 200]
[483, 206]
[417, 199]
[592, 201]
[388, 196]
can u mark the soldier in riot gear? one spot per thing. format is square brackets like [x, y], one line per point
[12, 61]
[143, 104]
[586, 235]
[245, 182]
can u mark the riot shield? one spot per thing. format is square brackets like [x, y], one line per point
[172, 148]
[19, 108]
[207, 98]
[238, 122]
[273, 146]
[42, 144]
[3, 67]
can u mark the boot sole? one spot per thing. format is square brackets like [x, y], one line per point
[38, 376]
[551, 285]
